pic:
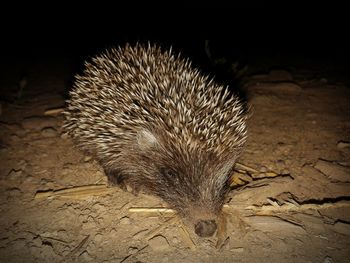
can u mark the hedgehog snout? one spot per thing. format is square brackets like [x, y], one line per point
[205, 228]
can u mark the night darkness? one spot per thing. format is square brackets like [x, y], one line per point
[249, 35]
[246, 34]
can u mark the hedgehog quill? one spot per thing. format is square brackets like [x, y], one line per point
[160, 126]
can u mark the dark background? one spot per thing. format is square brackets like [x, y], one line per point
[253, 34]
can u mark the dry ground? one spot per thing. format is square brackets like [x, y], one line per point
[299, 130]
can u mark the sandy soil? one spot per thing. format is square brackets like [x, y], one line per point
[293, 206]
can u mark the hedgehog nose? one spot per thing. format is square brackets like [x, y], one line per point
[205, 228]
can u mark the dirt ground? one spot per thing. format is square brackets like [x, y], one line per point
[290, 202]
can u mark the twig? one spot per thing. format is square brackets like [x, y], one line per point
[53, 112]
[152, 210]
[266, 209]
[131, 255]
[75, 192]
[76, 249]
[186, 236]
[246, 168]
[157, 230]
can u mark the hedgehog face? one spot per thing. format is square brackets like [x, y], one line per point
[194, 185]
[196, 193]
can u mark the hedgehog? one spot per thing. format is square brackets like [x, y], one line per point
[157, 124]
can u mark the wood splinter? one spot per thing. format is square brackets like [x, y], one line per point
[74, 192]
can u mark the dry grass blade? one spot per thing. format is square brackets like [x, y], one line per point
[187, 238]
[53, 112]
[76, 249]
[75, 192]
[153, 211]
[222, 230]
[157, 230]
[268, 209]
[246, 168]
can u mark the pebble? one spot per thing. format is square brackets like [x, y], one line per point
[98, 238]
[328, 259]
[285, 171]
[49, 132]
[87, 159]
[85, 257]
[237, 250]
[342, 228]
[132, 250]
[15, 174]
[159, 243]
[124, 220]
[263, 169]
[14, 138]
[64, 136]
[343, 144]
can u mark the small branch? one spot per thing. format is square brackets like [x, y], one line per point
[74, 192]
[53, 112]
[187, 238]
[260, 210]
[153, 210]
[157, 230]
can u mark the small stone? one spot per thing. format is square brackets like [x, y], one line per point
[129, 188]
[132, 250]
[237, 249]
[64, 136]
[284, 148]
[342, 228]
[15, 174]
[175, 240]
[22, 163]
[14, 138]
[343, 144]
[37, 241]
[98, 206]
[88, 225]
[263, 169]
[285, 171]
[98, 237]
[159, 243]
[87, 158]
[280, 162]
[85, 257]
[13, 192]
[49, 132]
[47, 252]
[124, 220]
[333, 171]
[327, 259]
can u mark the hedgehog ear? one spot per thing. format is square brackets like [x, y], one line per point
[146, 139]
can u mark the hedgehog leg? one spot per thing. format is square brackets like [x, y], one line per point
[116, 178]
